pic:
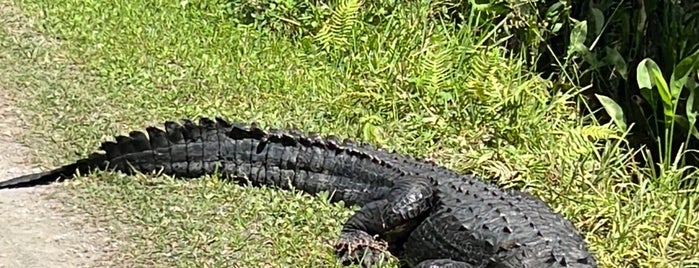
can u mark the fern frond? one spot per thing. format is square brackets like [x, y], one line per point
[484, 81]
[337, 30]
[580, 140]
[598, 133]
[436, 67]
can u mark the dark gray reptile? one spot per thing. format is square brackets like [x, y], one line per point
[424, 214]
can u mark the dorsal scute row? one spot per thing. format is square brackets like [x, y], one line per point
[212, 129]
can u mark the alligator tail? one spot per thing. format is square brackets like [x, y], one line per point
[82, 166]
[243, 153]
[147, 151]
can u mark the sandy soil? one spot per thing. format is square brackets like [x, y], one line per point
[37, 232]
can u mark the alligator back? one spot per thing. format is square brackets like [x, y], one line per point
[479, 223]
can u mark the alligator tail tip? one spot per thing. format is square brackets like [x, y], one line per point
[55, 175]
[29, 180]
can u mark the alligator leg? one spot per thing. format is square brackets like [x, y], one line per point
[443, 263]
[391, 218]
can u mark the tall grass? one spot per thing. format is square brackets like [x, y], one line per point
[402, 79]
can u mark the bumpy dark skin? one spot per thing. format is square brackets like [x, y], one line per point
[424, 214]
[399, 212]
[475, 224]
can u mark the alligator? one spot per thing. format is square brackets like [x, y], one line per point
[424, 214]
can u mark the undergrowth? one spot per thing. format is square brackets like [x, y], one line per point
[409, 83]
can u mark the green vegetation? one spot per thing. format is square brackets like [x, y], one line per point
[618, 45]
[463, 95]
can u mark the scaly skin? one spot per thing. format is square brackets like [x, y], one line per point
[425, 214]
[241, 152]
[513, 228]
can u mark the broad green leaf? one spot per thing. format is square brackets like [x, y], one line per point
[579, 33]
[681, 73]
[645, 85]
[577, 38]
[687, 65]
[598, 20]
[618, 61]
[648, 75]
[614, 110]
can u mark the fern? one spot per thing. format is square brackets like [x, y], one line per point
[483, 70]
[598, 133]
[580, 139]
[337, 30]
[435, 65]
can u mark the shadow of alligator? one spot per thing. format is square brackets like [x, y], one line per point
[424, 214]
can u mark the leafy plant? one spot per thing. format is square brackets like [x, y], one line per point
[339, 27]
[655, 90]
[612, 35]
[291, 17]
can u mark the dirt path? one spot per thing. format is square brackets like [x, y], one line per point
[36, 232]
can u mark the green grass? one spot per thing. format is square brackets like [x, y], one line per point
[120, 67]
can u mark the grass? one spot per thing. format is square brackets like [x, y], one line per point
[118, 67]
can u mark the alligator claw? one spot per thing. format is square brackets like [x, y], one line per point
[358, 247]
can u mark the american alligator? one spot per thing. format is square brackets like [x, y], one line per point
[424, 214]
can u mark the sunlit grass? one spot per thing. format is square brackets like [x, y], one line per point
[119, 67]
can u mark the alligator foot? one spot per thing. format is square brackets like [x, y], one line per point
[392, 218]
[358, 247]
[443, 263]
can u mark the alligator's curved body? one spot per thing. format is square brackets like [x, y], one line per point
[427, 215]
